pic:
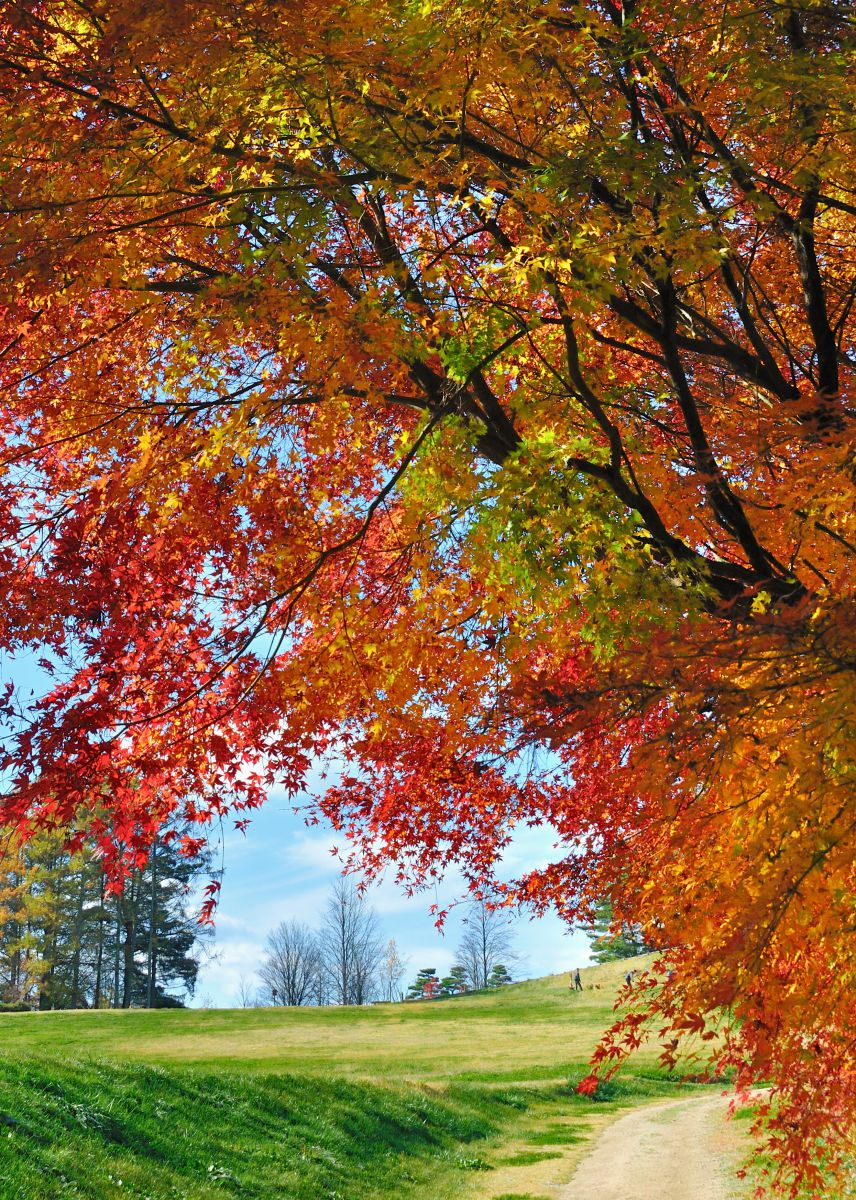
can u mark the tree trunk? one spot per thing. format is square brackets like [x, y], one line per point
[117, 942]
[152, 963]
[99, 947]
[130, 926]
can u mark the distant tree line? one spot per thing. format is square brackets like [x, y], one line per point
[66, 941]
[483, 957]
[345, 961]
[485, 951]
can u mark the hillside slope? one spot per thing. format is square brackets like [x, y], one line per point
[455, 1098]
[98, 1132]
[535, 1030]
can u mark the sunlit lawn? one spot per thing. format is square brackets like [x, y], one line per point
[444, 1097]
[534, 1030]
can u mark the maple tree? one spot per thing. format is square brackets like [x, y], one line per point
[460, 390]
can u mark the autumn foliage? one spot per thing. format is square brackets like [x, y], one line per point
[458, 390]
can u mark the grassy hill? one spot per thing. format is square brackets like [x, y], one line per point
[532, 1030]
[387, 1101]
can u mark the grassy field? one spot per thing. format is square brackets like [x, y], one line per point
[534, 1030]
[467, 1097]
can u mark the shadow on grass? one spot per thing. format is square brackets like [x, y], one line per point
[75, 1129]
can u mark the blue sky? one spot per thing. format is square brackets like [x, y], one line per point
[282, 869]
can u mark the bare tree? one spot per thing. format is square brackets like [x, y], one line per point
[291, 964]
[486, 942]
[247, 995]
[351, 945]
[321, 983]
[391, 972]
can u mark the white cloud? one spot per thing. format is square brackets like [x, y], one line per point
[314, 852]
[220, 980]
[226, 921]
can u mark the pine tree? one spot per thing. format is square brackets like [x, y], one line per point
[162, 929]
[13, 892]
[426, 985]
[66, 943]
[609, 944]
[455, 983]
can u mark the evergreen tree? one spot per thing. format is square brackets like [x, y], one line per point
[426, 985]
[49, 875]
[455, 983]
[162, 929]
[14, 889]
[66, 943]
[608, 943]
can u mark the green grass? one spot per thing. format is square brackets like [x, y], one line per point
[534, 1030]
[331, 1104]
[525, 1158]
[554, 1135]
[97, 1130]
[100, 1131]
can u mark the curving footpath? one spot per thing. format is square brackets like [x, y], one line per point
[679, 1150]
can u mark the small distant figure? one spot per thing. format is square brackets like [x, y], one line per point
[628, 978]
[578, 983]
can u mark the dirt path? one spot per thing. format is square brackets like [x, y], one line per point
[680, 1150]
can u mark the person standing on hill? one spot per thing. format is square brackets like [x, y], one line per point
[578, 983]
